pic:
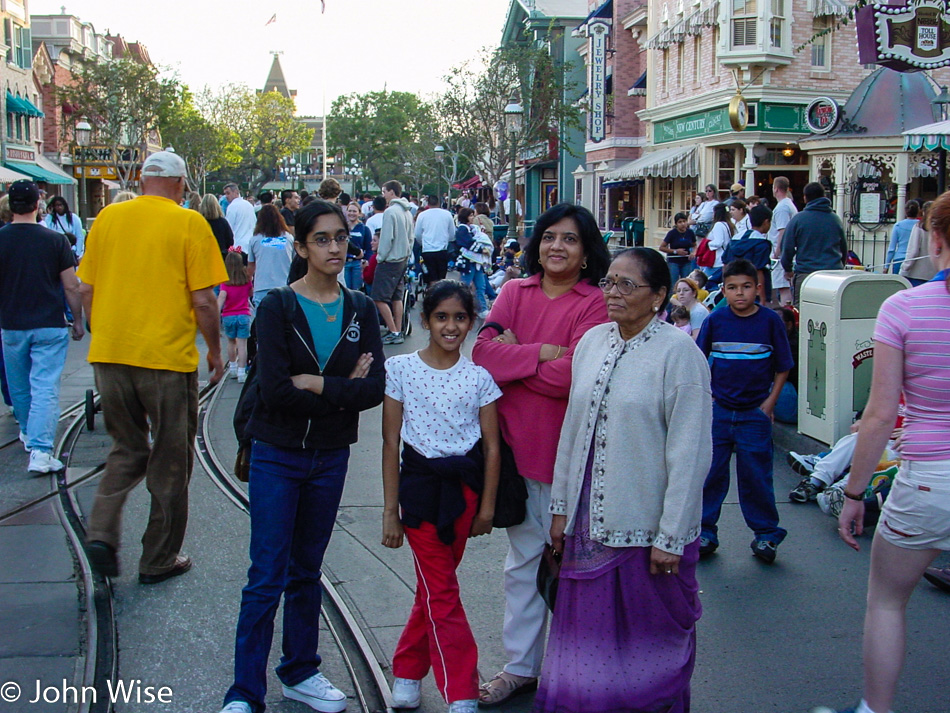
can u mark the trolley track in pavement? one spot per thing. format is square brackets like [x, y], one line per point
[369, 680]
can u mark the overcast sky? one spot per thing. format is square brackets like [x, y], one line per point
[356, 46]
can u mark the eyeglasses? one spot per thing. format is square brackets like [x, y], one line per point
[624, 287]
[323, 242]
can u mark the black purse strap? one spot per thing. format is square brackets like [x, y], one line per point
[492, 325]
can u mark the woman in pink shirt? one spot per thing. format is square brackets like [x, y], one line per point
[911, 355]
[544, 316]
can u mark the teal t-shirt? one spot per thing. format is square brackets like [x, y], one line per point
[325, 333]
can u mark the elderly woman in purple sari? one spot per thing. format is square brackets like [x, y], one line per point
[627, 498]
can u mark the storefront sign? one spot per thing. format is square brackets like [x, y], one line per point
[822, 115]
[869, 208]
[102, 155]
[598, 79]
[909, 37]
[20, 155]
[715, 121]
[100, 172]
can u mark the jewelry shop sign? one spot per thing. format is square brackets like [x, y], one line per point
[908, 37]
[598, 79]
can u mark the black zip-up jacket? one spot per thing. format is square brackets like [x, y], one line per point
[289, 417]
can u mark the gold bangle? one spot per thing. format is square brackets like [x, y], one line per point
[556, 356]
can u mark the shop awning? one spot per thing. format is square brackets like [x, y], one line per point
[19, 105]
[678, 162]
[51, 167]
[473, 182]
[824, 8]
[928, 137]
[39, 174]
[8, 176]
[639, 87]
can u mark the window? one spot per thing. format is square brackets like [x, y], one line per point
[714, 51]
[821, 47]
[698, 58]
[744, 23]
[666, 70]
[19, 127]
[8, 38]
[601, 203]
[20, 43]
[578, 191]
[680, 64]
[777, 23]
[663, 201]
[9, 125]
[727, 169]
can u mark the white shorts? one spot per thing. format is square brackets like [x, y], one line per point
[916, 515]
[778, 277]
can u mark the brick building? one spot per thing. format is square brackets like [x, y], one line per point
[615, 135]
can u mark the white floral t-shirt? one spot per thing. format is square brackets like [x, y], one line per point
[440, 406]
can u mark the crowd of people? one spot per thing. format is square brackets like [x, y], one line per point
[582, 358]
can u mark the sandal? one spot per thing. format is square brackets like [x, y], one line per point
[503, 687]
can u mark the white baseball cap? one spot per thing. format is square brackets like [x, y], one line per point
[164, 164]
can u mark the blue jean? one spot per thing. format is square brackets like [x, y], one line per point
[259, 295]
[294, 497]
[679, 270]
[479, 279]
[749, 434]
[3, 382]
[353, 274]
[34, 361]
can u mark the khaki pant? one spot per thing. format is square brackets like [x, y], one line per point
[797, 287]
[133, 399]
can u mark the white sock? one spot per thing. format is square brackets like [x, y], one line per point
[863, 707]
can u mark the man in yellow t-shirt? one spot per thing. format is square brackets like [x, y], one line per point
[148, 275]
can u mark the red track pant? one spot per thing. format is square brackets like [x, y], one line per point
[437, 635]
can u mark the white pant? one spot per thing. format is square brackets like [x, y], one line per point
[829, 467]
[525, 611]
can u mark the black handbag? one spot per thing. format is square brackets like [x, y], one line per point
[510, 502]
[549, 569]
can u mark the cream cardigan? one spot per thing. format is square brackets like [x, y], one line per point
[646, 404]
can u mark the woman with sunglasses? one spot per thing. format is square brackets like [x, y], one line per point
[319, 363]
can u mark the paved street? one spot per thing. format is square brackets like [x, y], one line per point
[780, 638]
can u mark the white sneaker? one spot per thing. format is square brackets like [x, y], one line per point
[318, 693]
[232, 369]
[23, 439]
[407, 693]
[241, 374]
[464, 706]
[41, 462]
[237, 707]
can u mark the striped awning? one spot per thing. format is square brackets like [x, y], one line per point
[678, 162]
[825, 8]
[928, 137]
[691, 25]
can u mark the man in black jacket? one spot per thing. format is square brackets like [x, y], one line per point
[814, 240]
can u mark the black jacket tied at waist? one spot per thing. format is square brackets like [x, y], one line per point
[430, 489]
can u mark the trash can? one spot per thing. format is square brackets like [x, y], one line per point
[633, 232]
[835, 348]
[500, 233]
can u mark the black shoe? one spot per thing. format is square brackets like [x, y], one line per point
[804, 491]
[102, 558]
[764, 550]
[940, 578]
[182, 565]
[707, 546]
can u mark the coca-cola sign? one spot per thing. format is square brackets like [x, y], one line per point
[821, 116]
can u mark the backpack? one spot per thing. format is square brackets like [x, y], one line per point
[755, 250]
[251, 393]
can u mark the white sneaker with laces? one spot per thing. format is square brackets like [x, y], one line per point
[41, 462]
[237, 707]
[407, 693]
[318, 693]
[464, 706]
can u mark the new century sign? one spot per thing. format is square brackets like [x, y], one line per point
[907, 37]
[780, 118]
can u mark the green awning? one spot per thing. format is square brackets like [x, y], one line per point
[38, 174]
[19, 105]
[929, 137]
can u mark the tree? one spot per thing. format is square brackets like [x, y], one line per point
[376, 128]
[472, 109]
[204, 145]
[122, 100]
[262, 126]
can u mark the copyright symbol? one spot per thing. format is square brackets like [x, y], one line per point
[10, 691]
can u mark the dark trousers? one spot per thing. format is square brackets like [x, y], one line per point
[437, 265]
[748, 433]
[294, 497]
[133, 398]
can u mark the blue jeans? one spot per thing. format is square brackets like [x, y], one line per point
[477, 277]
[679, 270]
[353, 274]
[749, 434]
[3, 382]
[259, 295]
[34, 361]
[294, 497]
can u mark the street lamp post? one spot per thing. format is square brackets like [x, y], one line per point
[83, 133]
[942, 102]
[440, 155]
[513, 113]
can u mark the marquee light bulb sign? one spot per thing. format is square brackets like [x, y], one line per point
[908, 36]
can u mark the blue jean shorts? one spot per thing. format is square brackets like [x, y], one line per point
[237, 326]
